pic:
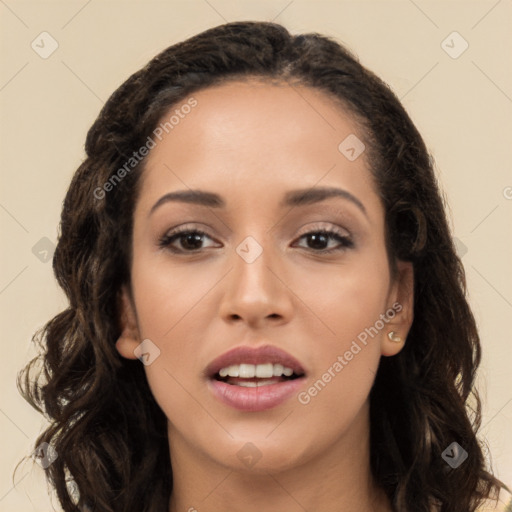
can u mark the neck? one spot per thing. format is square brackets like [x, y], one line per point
[335, 480]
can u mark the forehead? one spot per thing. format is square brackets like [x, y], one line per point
[259, 117]
[255, 138]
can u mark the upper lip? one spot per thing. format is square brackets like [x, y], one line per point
[254, 355]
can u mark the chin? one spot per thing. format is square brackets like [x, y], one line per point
[257, 452]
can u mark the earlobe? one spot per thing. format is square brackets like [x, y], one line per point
[129, 338]
[402, 302]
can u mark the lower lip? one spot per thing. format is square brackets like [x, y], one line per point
[256, 399]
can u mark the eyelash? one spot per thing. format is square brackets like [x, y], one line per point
[168, 239]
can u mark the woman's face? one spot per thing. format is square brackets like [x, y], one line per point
[262, 277]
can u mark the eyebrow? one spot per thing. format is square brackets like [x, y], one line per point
[293, 198]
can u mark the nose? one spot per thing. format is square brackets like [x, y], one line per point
[256, 292]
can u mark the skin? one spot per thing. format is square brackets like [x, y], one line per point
[251, 142]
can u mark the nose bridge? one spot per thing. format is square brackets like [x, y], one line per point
[253, 279]
[253, 290]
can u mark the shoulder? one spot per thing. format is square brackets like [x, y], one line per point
[504, 503]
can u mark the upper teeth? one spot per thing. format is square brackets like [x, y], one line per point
[249, 371]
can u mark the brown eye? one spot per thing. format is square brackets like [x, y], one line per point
[189, 240]
[318, 241]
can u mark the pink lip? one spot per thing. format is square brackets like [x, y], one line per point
[259, 398]
[254, 399]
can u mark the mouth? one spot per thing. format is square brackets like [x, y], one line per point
[256, 375]
[255, 379]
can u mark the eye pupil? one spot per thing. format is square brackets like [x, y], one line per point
[192, 240]
[319, 240]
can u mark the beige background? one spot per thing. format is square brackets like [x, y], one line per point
[462, 106]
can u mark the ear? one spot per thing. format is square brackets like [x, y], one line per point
[129, 338]
[401, 301]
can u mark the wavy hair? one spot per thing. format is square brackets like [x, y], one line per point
[107, 429]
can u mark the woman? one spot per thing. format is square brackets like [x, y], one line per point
[259, 224]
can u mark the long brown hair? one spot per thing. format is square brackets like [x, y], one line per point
[108, 431]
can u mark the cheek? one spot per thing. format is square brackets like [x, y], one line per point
[346, 299]
[174, 308]
[350, 303]
[168, 295]
[346, 362]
